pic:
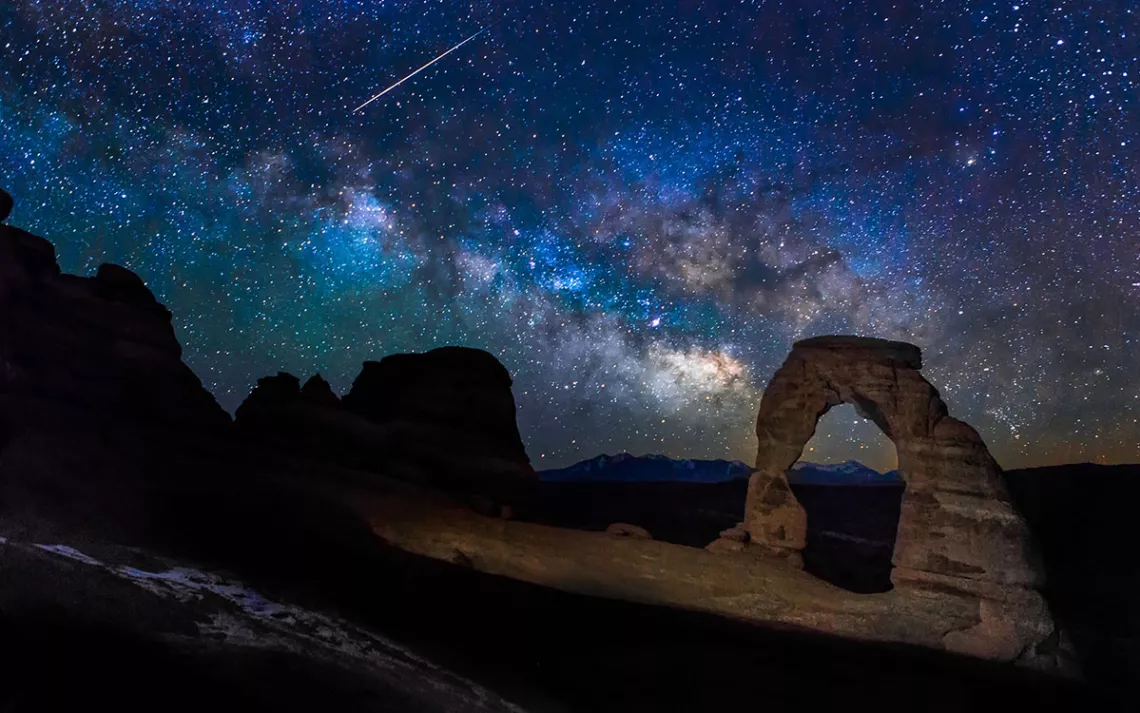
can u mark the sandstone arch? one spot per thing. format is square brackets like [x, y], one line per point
[956, 525]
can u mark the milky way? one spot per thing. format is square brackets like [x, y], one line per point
[638, 210]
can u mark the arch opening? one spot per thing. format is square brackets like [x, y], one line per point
[847, 481]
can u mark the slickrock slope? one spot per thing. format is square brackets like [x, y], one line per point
[738, 582]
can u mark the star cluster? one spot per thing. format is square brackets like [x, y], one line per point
[638, 207]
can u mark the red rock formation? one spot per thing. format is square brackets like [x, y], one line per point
[956, 518]
[102, 424]
[444, 418]
[449, 411]
[310, 421]
[318, 391]
[97, 410]
[94, 347]
[957, 528]
[463, 391]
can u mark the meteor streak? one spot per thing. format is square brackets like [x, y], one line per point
[419, 70]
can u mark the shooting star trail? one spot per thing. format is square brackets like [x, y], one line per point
[419, 70]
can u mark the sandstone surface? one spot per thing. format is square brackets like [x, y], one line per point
[956, 517]
[735, 582]
[957, 527]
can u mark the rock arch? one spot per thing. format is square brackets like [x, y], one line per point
[956, 526]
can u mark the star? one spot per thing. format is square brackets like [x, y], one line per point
[638, 213]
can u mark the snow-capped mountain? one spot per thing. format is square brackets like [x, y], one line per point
[628, 468]
[850, 472]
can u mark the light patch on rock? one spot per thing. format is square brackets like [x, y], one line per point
[70, 553]
[256, 621]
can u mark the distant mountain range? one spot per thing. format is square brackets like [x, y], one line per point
[627, 468]
[850, 472]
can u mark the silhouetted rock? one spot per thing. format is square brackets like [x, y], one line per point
[318, 391]
[1083, 516]
[445, 419]
[99, 348]
[6, 205]
[463, 391]
[448, 419]
[119, 284]
[98, 413]
[24, 259]
[271, 391]
[308, 421]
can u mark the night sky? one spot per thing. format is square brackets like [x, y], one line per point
[637, 208]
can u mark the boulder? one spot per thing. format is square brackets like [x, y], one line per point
[735, 534]
[733, 539]
[622, 529]
[723, 545]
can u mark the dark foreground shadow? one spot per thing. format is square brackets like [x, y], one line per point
[548, 649]
[545, 649]
[1084, 517]
[53, 661]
